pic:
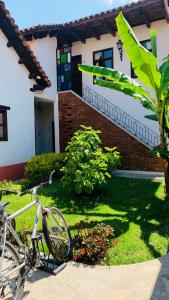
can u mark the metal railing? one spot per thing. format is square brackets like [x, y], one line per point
[120, 117]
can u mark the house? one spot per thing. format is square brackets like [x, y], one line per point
[42, 118]
[25, 91]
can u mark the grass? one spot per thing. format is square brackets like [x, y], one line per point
[134, 208]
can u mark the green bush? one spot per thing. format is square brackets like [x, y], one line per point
[39, 168]
[87, 167]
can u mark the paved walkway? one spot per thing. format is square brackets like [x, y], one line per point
[139, 174]
[144, 281]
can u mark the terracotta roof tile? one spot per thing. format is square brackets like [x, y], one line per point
[18, 42]
[154, 10]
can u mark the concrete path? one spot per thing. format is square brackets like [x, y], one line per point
[144, 281]
[139, 174]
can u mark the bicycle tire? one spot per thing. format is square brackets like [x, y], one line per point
[59, 247]
[9, 236]
[11, 254]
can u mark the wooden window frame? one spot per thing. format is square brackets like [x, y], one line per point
[96, 60]
[4, 124]
[133, 75]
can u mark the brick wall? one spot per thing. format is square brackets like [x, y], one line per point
[73, 112]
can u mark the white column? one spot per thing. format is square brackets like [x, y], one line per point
[56, 121]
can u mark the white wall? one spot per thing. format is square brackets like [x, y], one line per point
[15, 92]
[45, 51]
[126, 103]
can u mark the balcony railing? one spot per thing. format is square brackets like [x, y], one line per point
[121, 118]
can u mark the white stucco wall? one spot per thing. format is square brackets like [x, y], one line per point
[15, 92]
[45, 51]
[124, 102]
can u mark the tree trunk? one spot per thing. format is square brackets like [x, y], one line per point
[166, 175]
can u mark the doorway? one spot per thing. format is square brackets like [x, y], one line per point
[76, 75]
[44, 127]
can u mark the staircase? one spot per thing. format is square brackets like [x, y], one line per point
[135, 128]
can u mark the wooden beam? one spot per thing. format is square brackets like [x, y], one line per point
[94, 32]
[37, 87]
[63, 39]
[12, 43]
[166, 10]
[77, 36]
[4, 107]
[144, 16]
[111, 28]
[22, 60]
[33, 76]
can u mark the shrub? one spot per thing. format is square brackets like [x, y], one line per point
[39, 168]
[90, 246]
[87, 167]
[5, 185]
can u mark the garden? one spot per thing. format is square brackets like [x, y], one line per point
[112, 220]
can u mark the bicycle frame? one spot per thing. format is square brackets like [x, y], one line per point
[9, 227]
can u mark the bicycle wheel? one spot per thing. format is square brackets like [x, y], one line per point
[57, 234]
[9, 236]
[11, 281]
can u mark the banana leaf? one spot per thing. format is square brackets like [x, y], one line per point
[144, 63]
[153, 36]
[116, 76]
[151, 117]
[164, 70]
[125, 90]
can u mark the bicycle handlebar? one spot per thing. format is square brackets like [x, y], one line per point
[35, 188]
[7, 192]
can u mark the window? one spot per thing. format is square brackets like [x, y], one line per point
[146, 44]
[103, 58]
[3, 123]
[64, 68]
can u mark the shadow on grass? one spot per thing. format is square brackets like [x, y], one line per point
[132, 201]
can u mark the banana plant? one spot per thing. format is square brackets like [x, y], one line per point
[154, 77]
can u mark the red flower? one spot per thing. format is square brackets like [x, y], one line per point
[90, 231]
[75, 257]
[83, 251]
[116, 241]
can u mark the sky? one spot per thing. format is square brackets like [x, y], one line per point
[32, 12]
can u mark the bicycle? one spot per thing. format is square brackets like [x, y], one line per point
[14, 264]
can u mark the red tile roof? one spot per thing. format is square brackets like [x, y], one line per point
[137, 13]
[18, 42]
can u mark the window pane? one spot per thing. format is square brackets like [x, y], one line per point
[69, 58]
[108, 53]
[147, 45]
[67, 67]
[97, 55]
[67, 76]
[108, 63]
[63, 58]
[67, 49]
[1, 132]
[58, 54]
[1, 118]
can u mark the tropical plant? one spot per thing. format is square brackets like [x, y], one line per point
[145, 65]
[87, 167]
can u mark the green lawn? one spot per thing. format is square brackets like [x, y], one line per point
[135, 209]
